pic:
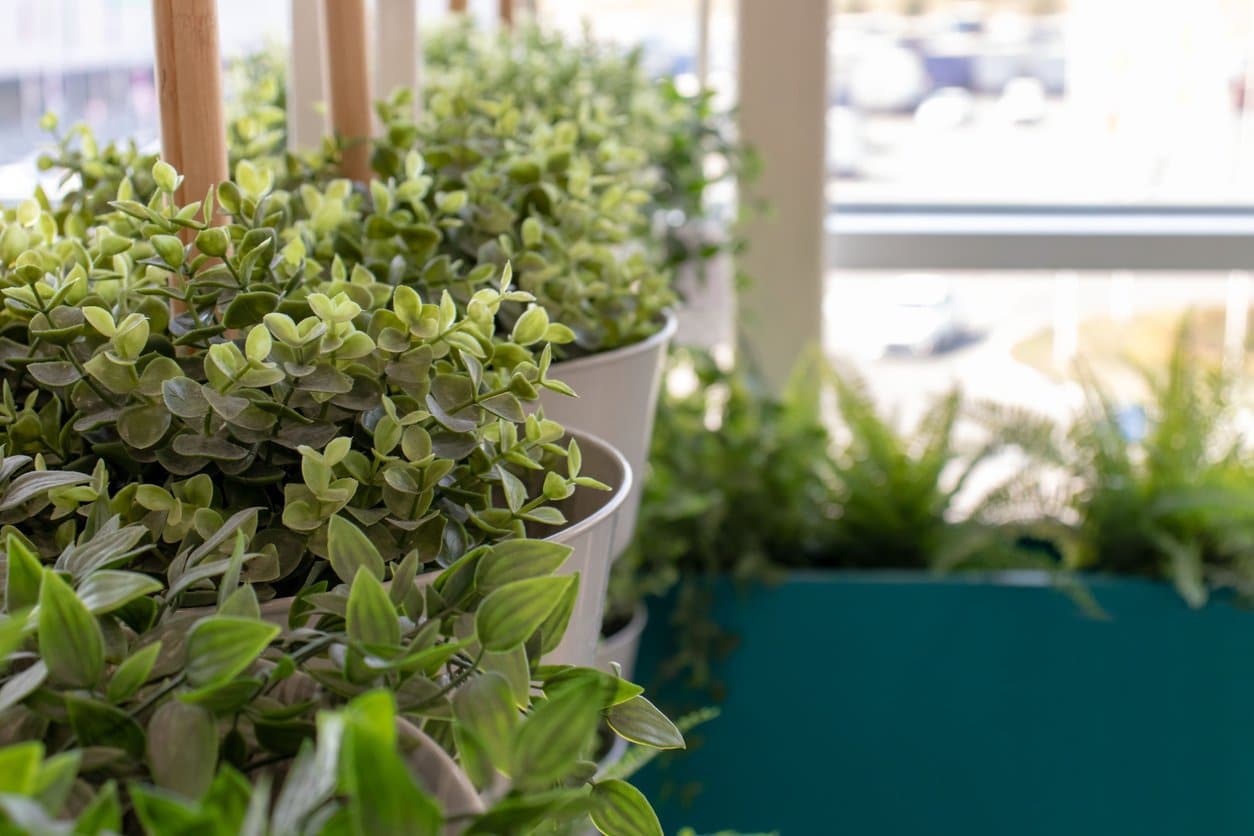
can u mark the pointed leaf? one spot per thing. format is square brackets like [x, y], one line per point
[108, 589]
[219, 648]
[619, 809]
[508, 616]
[70, 640]
[349, 549]
[131, 675]
[371, 618]
[640, 722]
[183, 748]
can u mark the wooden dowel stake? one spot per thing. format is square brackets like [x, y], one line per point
[189, 92]
[348, 76]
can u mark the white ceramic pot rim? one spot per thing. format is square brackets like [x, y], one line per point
[606, 358]
[621, 492]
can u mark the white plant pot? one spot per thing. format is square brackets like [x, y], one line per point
[618, 393]
[624, 646]
[597, 532]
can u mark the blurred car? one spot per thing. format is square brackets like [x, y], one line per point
[922, 316]
[887, 78]
[1022, 102]
[947, 109]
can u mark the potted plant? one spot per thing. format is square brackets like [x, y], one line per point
[285, 431]
[505, 186]
[1054, 671]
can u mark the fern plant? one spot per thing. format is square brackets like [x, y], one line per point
[1177, 504]
[896, 491]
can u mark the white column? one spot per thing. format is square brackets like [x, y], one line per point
[783, 103]
[395, 46]
[703, 43]
[306, 79]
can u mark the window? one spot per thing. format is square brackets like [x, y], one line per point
[92, 61]
[1042, 102]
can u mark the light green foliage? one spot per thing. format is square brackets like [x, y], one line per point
[191, 431]
[1174, 505]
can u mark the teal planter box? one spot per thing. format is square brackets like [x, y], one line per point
[882, 703]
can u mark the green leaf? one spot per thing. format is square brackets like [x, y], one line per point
[485, 705]
[183, 397]
[55, 373]
[183, 748]
[23, 576]
[349, 550]
[170, 248]
[524, 812]
[56, 780]
[557, 734]
[507, 617]
[108, 589]
[101, 551]
[619, 809]
[553, 628]
[103, 814]
[164, 175]
[516, 669]
[37, 483]
[143, 426]
[226, 697]
[213, 241]
[312, 777]
[131, 675]
[19, 767]
[219, 648]
[516, 560]
[530, 327]
[371, 617]
[249, 309]
[12, 633]
[161, 811]
[22, 685]
[639, 721]
[372, 769]
[97, 723]
[70, 640]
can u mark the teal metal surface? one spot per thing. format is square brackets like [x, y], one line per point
[881, 704]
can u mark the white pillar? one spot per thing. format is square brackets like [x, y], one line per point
[395, 46]
[306, 80]
[703, 43]
[783, 104]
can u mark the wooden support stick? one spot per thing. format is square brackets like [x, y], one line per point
[189, 90]
[457, 6]
[505, 10]
[349, 82]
